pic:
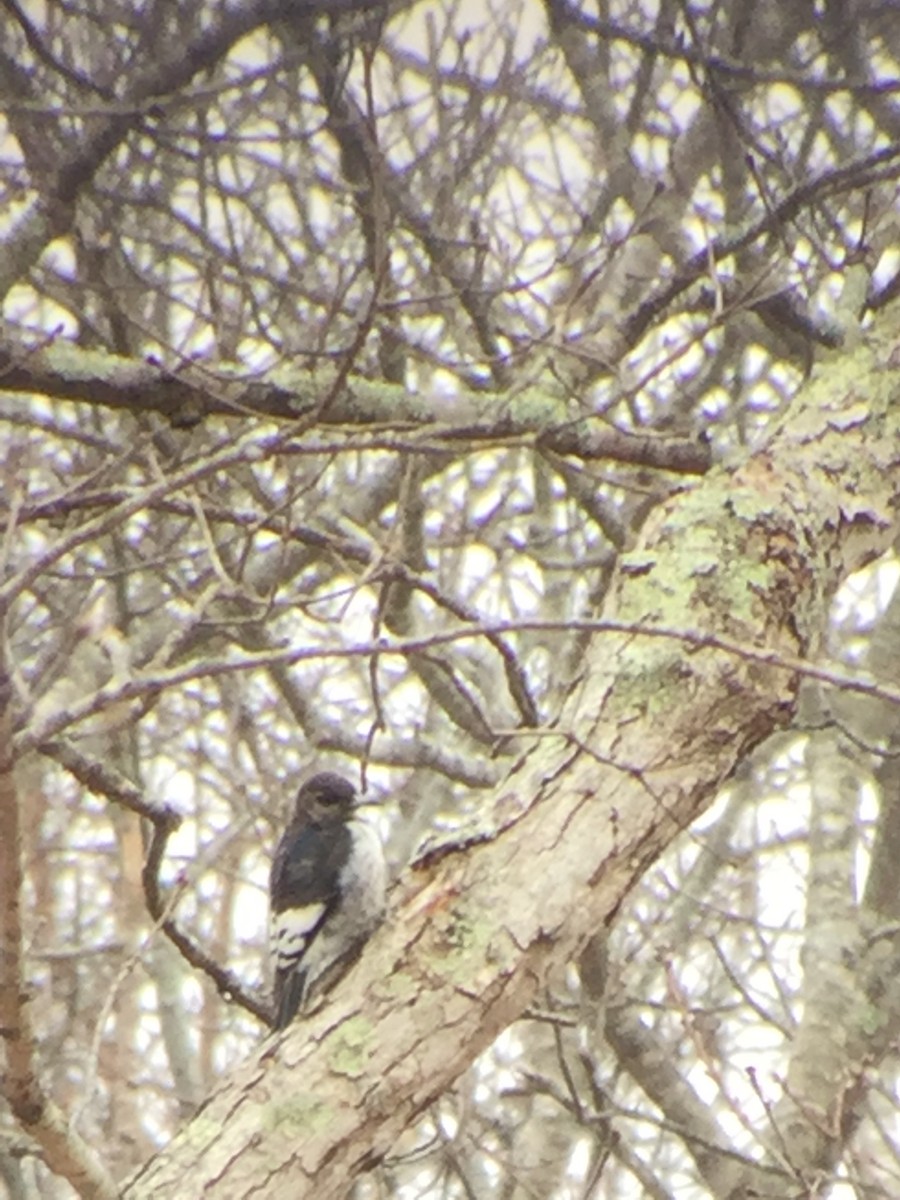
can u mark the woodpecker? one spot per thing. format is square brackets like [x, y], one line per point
[326, 892]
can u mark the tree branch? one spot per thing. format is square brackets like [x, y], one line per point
[188, 396]
[62, 1149]
[51, 215]
[104, 780]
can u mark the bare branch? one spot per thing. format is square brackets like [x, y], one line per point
[62, 1149]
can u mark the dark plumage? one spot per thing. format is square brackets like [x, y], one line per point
[326, 892]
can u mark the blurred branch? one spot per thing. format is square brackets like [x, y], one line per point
[226, 982]
[34, 738]
[651, 1064]
[423, 751]
[104, 780]
[226, 454]
[52, 213]
[516, 680]
[481, 418]
[730, 68]
[64, 1151]
[440, 678]
[42, 51]
[880, 165]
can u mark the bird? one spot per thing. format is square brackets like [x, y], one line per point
[326, 892]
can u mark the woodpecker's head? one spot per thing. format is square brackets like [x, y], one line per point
[325, 798]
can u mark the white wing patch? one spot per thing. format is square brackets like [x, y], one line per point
[289, 932]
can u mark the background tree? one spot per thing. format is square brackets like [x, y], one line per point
[375, 380]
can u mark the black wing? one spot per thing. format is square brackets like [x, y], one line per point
[304, 891]
[307, 865]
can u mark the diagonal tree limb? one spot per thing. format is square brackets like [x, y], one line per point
[105, 780]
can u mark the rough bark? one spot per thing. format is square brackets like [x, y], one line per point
[645, 737]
